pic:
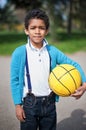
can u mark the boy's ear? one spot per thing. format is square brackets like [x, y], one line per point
[26, 31]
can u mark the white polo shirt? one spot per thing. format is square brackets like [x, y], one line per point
[39, 69]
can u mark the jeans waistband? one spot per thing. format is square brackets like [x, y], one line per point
[49, 97]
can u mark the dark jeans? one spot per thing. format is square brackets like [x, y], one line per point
[40, 113]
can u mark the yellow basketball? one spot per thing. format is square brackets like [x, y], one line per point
[64, 80]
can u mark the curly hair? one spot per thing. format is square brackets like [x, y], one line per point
[36, 13]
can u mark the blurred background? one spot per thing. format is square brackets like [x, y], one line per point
[67, 32]
[67, 23]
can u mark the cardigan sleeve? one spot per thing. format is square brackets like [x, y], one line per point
[63, 59]
[58, 57]
[17, 74]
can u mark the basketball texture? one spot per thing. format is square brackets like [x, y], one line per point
[64, 80]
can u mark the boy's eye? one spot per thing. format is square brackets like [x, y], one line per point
[32, 28]
[42, 28]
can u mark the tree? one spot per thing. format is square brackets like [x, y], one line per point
[82, 15]
[70, 17]
[27, 4]
[56, 11]
[77, 13]
[7, 16]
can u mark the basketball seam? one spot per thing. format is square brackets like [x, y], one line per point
[70, 75]
[60, 82]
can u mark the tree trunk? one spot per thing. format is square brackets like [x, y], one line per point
[70, 18]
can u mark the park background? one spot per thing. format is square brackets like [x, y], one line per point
[67, 32]
[67, 23]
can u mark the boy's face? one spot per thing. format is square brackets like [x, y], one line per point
[36, 31]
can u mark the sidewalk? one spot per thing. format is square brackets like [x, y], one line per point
[71, 112]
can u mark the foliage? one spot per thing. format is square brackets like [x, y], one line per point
[27, 4]
[77, 15]
[8, 17]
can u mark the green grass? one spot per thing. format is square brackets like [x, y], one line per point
[68, 44]
[9, 41]
[71, 43]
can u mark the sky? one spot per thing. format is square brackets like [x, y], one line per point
[2, 3]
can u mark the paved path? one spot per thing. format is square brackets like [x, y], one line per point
[71, 112]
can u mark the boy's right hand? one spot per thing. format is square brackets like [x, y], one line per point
[20, 113]
[80, 91]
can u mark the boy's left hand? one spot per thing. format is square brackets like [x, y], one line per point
[80, 91]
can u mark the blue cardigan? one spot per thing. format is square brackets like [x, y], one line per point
[18, 64]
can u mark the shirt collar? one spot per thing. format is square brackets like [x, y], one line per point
[36, 49]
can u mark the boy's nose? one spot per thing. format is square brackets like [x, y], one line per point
[37, 30]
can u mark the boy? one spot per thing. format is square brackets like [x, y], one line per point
[30, 67]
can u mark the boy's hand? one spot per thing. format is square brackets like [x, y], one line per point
[20, 113]
[80, 91]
